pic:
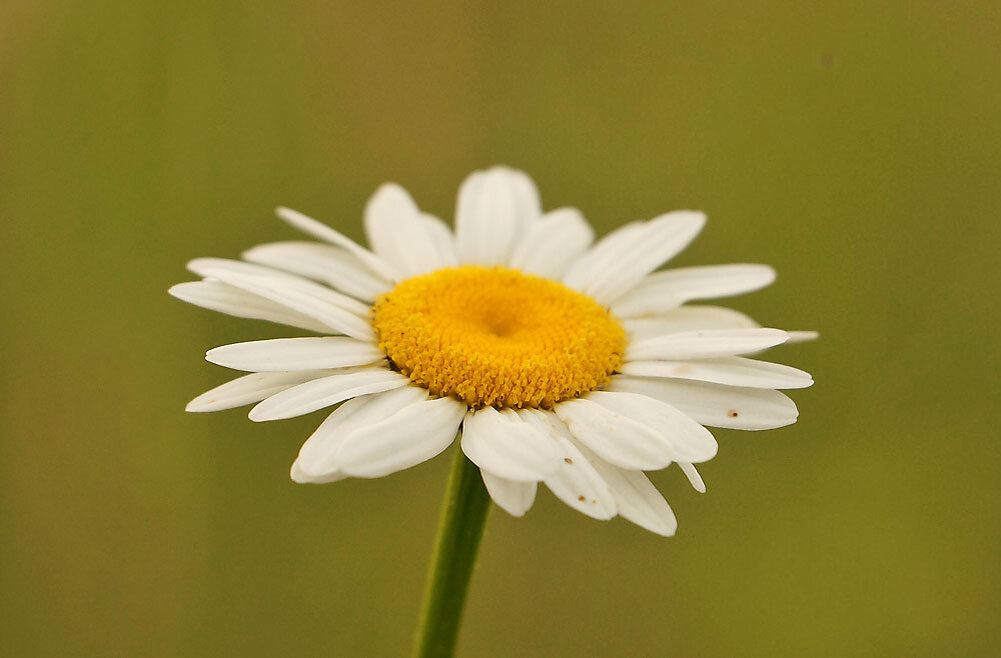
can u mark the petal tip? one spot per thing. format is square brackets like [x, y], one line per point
[177, 291]
[259, 416]
[196, 406]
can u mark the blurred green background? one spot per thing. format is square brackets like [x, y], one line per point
[854, 146]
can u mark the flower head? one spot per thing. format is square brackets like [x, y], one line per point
[562, 362]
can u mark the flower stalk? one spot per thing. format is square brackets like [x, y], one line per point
[460, 528]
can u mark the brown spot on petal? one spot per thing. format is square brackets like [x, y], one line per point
[581, 498]
[568, 460]
[732, 413]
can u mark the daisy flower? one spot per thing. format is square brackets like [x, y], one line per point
[558, 359]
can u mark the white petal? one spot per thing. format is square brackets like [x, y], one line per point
[575, 481]
[731, 370]
[615, 437]
[301, 477]
[667, 290]
[636, 498]
[399, 234]
[686, 318]
[507, 446]
[688, 440]
[339, 312]
[327, 391]
[512, 496]
[443, 239]
[716, 405]
[202, 267]
[526, 193]
[693, 476]
[225, 269]
[318, 455]
[602, 256]
[410, 436]
[222, 297]
[704, 343]
[549, 246]
[326, 263]
[323, 232]
[493, 210]
[620, 260]
[250, 388]
[283, 354]
[802, 336]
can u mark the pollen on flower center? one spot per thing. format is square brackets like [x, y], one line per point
[494, 336]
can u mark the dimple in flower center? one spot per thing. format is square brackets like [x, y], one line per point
[494, 336]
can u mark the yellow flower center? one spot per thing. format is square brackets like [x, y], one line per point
[493, 336]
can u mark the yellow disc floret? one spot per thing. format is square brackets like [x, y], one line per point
[494, 336]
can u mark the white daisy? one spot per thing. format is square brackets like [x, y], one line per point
[563, 362]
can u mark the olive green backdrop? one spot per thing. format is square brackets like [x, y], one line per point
[855, 147]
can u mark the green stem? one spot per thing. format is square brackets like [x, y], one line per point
[463, 516]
